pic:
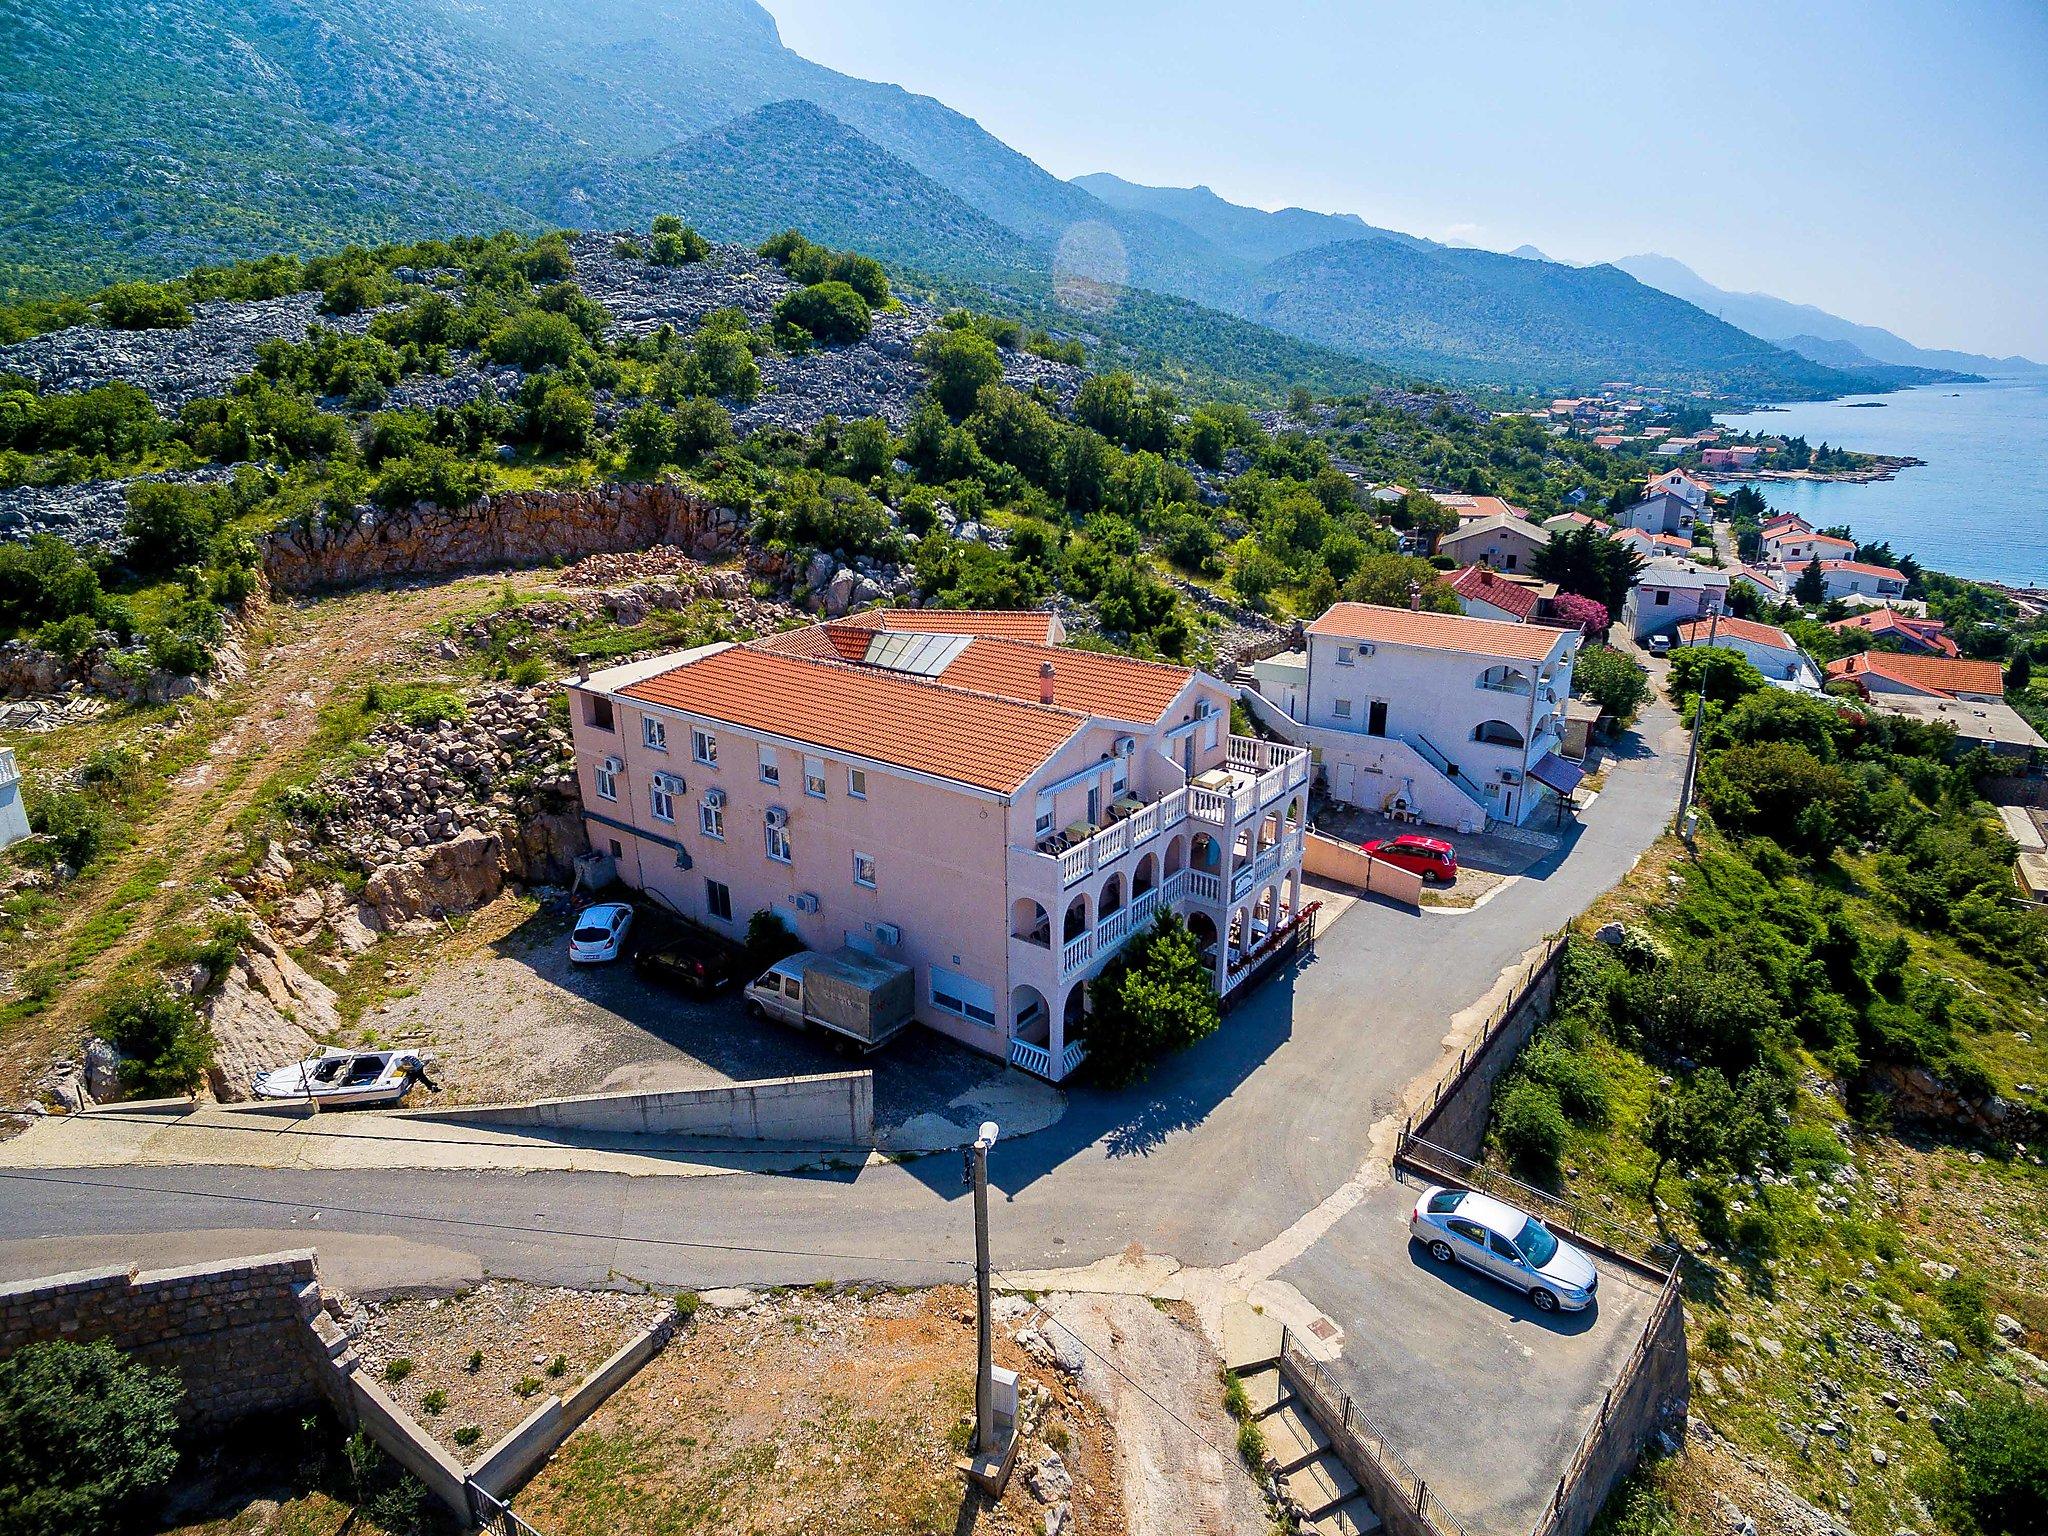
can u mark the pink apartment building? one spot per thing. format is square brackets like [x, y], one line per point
[956, 791]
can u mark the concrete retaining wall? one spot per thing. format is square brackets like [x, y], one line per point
[1457, 1118]
[832, 1109]
[513, 1459]
[235, 1333]
[1328, 859]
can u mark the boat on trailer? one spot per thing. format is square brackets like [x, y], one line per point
[346, 1079]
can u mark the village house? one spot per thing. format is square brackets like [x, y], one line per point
[1506, 543]
[1564, 522]
[1434, 717]
[1676, 482]
[953, 791]
[1765, 646]
[1766, 581]
[1662, 512]
[1948, 677]
[1922, 635]
[1738, 456]
[1669, 592]
[1652, 545]
[1793, 548]
[1856, 578]
[1485, 593]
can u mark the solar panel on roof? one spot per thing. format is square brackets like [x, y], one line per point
[919, 653]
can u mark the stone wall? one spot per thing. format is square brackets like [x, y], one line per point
[235, 1333]
[517, 528]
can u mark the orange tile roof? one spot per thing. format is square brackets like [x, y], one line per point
[997, 623]
[1947, 675]
[1437, 631]
[1737, 629]
[1887, 621]
[1089, 682]
[1482, 585]
[822, 642]
[1862, 568]
[951, 733]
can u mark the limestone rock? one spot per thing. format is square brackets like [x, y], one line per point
[267, 1011]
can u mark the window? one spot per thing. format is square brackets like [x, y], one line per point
[711, 819]
[778, 844]
[864, 870]
[660, 802]
[617, 851]
[1045, 815]
[704, 746]
[1663, 600]
[718, 900]
[607, 780]
[771, 772]
[963, 996]
[1343, 709]
[599, 713]
[857, 783]
[1344, 656]
[814, 776]
[654, 732]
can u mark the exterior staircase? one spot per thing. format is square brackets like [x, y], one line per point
[1309, 1470]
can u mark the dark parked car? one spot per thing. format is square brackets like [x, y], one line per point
[688, 956]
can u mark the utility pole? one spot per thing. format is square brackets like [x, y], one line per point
[1699, 715]
[985, 1360]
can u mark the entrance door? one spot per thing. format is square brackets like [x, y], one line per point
[1343, 783]
[1376, 717]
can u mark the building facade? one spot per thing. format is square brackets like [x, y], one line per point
[953, 792]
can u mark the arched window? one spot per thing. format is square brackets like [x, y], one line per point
[1497, 733]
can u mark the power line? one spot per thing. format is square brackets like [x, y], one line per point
[472, 1223]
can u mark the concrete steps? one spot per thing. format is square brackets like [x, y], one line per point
[1354, 1517]
[1292, 1435]
[1265, 1389]
[1319, 1484]
[1310, 1472]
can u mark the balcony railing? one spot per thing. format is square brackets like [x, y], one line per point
[1032, 1058]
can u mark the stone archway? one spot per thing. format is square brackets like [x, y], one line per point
[1145, 876]
[1111, 899]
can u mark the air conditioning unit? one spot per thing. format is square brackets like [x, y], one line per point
[777, 816]
[1511, 775]
[672, 782]
[805, 901]
[715, 798]
[1126, 745]
[1366, 647]
[888, 935]
[613, 764]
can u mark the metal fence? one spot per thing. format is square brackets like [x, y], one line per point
[1363, 1447]
[1470, 1056]
[495, 1517]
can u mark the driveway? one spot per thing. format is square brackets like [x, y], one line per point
[1245, 1154]
[1485, 1396]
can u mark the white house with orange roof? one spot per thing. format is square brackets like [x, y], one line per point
[1450, 719]
[1858, 578]
[1676, 482]
[1661, 512]
[1485, 593]
[1796, 547]
[954, 791]
[1765, 646]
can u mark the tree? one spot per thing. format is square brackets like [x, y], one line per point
[868, 446]
[647, 435]
[1617, 683]
[1998, 1479]
[832, 312]
[1811, 589]
[1390, 581]
[143, 307]
[1588, 562]
[562, 420]
[86, 1437]
[1153, 998]
[1687, 1126]
[962, 364]
[165, 1041]
[168, 525]
[677, 245]
[1588, 615]
[2019, 675]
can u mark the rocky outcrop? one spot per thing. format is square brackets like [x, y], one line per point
[91, 513]
[515, 529]
[115, 671]
[1918, 1094]
[675, 582]
[265, 1011]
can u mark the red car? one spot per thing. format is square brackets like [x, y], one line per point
[1430, 857]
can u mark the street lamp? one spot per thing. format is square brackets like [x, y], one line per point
[984, 1373]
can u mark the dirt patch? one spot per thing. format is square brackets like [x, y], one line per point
[527, 1341]
[1156, 1376]
[826, 1414]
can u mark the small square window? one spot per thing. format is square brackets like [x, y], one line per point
[654, 732]
[704, 747]
[1343, 709]
[864, 870]
[600, 713]
[857, 783]
[1344, 655]
[814, 777]
[718, 900]
[771, 771]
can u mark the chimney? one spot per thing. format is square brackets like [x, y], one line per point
[1415, 596]
[1045, 677]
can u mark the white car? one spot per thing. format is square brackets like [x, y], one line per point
[600, 933]
[1460, 1226]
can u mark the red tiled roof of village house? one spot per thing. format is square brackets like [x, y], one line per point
[1088, 682]
[1926, 633]
[1470, 508]
[1482, 585]
[1787, 520]
[1862, 568]
[997, 623]
[1821, 540]
[952, 733]
[839, 641]
[1437, 631]
[1733, 628]
[1946, 675]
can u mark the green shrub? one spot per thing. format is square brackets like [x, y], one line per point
[1576, 1079]
[674, 244]
[686, 1305]
[1967, 1301]
[75, 828]
[831, 312]
[475, 1362]
[1235, 1402]
[1530, 1126]
[526, 1386]
[467, 1435]
[397, 1370]
[161, 1034]
[768, 940]
[434, 1401]
[1998, 1478]
[558, 1367]
[143, 307]
[1153, 998]
[86, 1438]
[70, 638]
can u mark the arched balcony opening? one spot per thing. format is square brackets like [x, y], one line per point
[1497, 733]
[1076, 922]
[1145, 876]
[1111, 901]
[1030, 922]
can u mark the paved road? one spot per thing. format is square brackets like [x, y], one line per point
[1223, 1150]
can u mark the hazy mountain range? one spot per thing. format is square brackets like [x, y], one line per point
[148, 135]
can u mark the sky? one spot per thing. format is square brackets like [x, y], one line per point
[1887, 161]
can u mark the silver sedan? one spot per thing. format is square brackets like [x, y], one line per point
[1460, 1226]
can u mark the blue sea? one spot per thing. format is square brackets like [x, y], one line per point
[1978, 507]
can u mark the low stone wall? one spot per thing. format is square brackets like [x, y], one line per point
[513, 529]
[1328, 859]
[234, 1333]
[832, 1109]
[1457, 1115]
